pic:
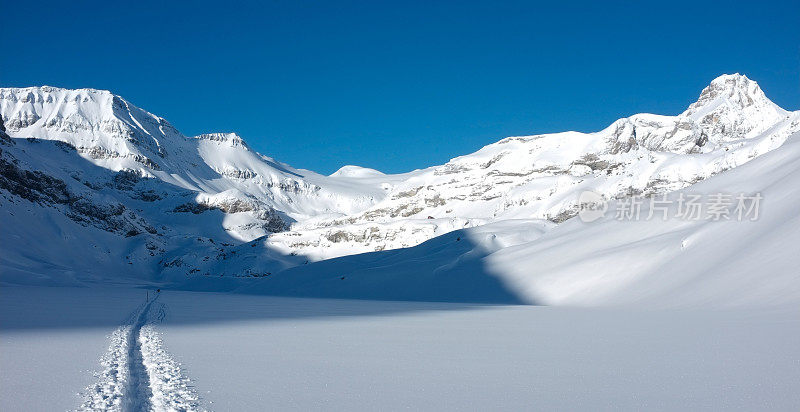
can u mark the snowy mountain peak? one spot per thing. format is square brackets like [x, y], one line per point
[735, 89]
[733, 107]
[96, 122]
[355, 171]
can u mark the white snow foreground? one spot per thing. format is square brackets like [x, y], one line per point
[255, 353]
[87, 167]
[138, 374]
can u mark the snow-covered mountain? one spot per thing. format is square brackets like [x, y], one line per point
[542, 176]
[113, 134]
[124, 192]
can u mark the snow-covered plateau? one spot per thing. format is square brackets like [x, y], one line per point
[469, 285]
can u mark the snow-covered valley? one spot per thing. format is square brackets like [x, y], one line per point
[475, 284]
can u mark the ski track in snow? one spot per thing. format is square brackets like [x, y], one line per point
[138, 374]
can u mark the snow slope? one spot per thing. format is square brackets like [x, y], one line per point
[675, 262]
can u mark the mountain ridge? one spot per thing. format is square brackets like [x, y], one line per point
[175, 188]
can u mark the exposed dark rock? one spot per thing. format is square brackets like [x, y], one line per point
[593, 161]
[192, 207]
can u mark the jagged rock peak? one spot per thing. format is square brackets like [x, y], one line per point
[232, 139]
[736, 89]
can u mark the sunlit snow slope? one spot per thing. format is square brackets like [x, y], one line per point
[608, 262]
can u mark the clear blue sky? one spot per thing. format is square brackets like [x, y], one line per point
[398, 85]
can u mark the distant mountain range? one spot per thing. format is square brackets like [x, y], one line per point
[94, 188]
